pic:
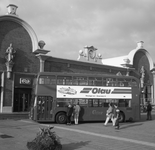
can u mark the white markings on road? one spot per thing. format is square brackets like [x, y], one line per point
[108, 136]
[103, 135]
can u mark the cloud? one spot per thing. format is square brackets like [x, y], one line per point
[113, 27]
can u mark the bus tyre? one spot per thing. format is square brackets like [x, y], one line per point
[121, 117]
[61, 118]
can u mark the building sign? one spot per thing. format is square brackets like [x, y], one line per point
[25, 81]
[93, 92]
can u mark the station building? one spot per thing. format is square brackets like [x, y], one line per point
[22, 56]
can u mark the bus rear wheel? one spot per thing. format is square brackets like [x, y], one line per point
[61, 118]
[121, 117]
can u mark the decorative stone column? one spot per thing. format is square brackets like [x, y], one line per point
[10, 54]
[40, 53]
[42, 61]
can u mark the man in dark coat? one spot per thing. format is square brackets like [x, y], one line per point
[116, 117]
[149, 109]
[69, 113]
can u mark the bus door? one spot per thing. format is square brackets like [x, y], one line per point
[44, 108]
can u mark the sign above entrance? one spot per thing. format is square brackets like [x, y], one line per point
[25, 81]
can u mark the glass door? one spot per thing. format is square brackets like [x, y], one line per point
[22, 100]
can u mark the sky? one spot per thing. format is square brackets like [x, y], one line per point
[112, 26]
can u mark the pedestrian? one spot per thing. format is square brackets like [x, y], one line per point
[149, 109]
[69, 113]
[109, 114]
[76, 113]
[116, 117]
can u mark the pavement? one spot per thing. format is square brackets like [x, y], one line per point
[14, 135]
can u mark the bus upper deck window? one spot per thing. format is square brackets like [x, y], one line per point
[75, 81]
[52, 79]
[121, 83]
[44, 80]
[114, 82]
[98, 81]
[60, 80]
[80, 81]
[126, 83]
[68, 80]
[109, 82]
[47, 80]
[134, 83]
[91, 81]
[41, 80]
[83, 81]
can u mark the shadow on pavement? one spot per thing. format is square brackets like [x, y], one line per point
[144, 117]
[130, 125]
[76, 145]
[138, 123]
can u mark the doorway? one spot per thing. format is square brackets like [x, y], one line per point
[22, 100]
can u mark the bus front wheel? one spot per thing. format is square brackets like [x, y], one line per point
[61, 118]
[121, 117]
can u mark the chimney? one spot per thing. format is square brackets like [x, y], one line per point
[12, 9]
[140, 45]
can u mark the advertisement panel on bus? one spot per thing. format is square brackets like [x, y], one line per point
[93, 92]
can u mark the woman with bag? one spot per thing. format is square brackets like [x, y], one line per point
[76, 113]
[109, 114]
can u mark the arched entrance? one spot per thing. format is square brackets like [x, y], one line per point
[142, 64]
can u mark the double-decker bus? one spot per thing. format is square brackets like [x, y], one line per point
[53, 91]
